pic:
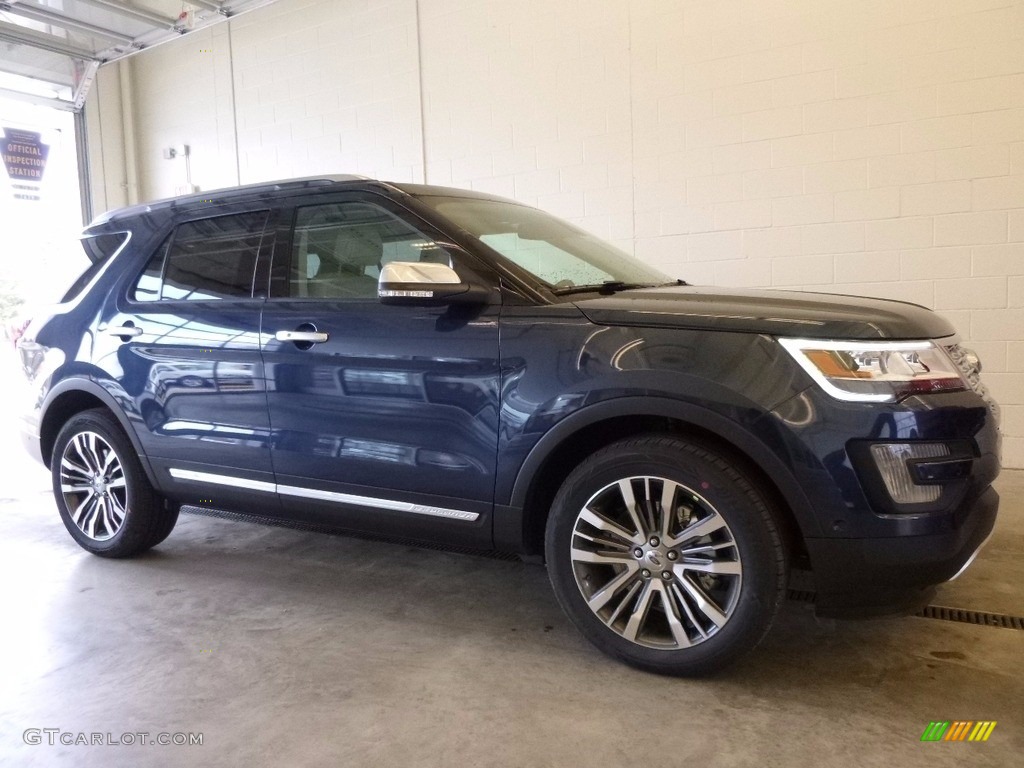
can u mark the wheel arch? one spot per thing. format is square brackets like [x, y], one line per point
[72, 396]
[520, 525]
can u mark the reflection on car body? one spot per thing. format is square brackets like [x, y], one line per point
[447, 366]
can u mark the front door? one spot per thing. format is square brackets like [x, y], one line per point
[384, 418]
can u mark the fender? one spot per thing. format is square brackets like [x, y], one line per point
[743, 440]
[91, 387]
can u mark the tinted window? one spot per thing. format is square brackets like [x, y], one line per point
[338, 249]
[206, 259]
[148, 286]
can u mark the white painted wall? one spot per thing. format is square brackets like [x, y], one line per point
[874, 147]
[105, 133]
[295, 89]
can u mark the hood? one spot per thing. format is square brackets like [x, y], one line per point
[776, 313]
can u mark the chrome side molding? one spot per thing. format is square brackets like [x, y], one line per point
[313, 493]
[234, 482]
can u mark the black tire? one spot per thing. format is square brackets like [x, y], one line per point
[172, 508]
[696, 611]
[118, 512]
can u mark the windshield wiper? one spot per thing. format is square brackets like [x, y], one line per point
[609, 287]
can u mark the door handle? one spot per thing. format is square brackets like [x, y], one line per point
[123, 331]
[309, 337]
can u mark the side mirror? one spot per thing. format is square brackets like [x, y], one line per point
[419, 282]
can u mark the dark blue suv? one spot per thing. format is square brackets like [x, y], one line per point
[452, 367]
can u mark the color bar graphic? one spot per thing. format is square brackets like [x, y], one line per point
[958, 730]
[982, 730]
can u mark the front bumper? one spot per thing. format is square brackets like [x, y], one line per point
[870, 555]
[879, 576]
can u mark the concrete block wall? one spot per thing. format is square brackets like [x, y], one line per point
[532, 100]
[874, 148]
[298, 88]
[197, 86]
[328, 86]
[870, 148]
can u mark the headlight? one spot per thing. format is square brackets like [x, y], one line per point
[876, 371]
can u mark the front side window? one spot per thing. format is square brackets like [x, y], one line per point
[204, 260]
[339, 248]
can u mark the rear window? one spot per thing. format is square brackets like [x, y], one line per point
[99, 249]
[205, 260]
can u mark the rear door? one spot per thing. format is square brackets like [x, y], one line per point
[186, 336]
[388, 421]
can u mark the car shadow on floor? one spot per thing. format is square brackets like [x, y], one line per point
[230, 579]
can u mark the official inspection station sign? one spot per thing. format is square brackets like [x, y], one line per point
[25, 160]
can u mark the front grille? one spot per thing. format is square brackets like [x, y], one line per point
[972, 373]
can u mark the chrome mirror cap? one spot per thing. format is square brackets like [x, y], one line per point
[403, 282]
[418, 272]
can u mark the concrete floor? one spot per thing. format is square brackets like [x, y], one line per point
[291, 648]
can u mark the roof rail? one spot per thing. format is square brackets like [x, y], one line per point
[226, 193]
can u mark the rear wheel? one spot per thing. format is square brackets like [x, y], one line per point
[665, 555]
[103, 495]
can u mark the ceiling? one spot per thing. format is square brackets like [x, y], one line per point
[50, 49]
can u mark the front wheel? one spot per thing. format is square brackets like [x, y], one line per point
[103, 495]
[665, 555]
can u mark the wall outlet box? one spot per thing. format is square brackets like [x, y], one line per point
[178, 150]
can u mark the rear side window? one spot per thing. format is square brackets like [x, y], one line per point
[99, 248]
[205, 260]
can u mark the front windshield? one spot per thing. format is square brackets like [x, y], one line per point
[555, 252]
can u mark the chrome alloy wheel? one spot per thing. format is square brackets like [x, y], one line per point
[93, 484]
[656, 562]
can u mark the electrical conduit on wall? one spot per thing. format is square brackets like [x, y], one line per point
[131, 168]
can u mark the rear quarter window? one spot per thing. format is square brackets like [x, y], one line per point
[100, 249]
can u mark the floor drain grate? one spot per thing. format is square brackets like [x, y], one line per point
[980, 618]
[800, 595]
[941, 613]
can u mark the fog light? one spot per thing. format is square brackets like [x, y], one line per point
[892, 458]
